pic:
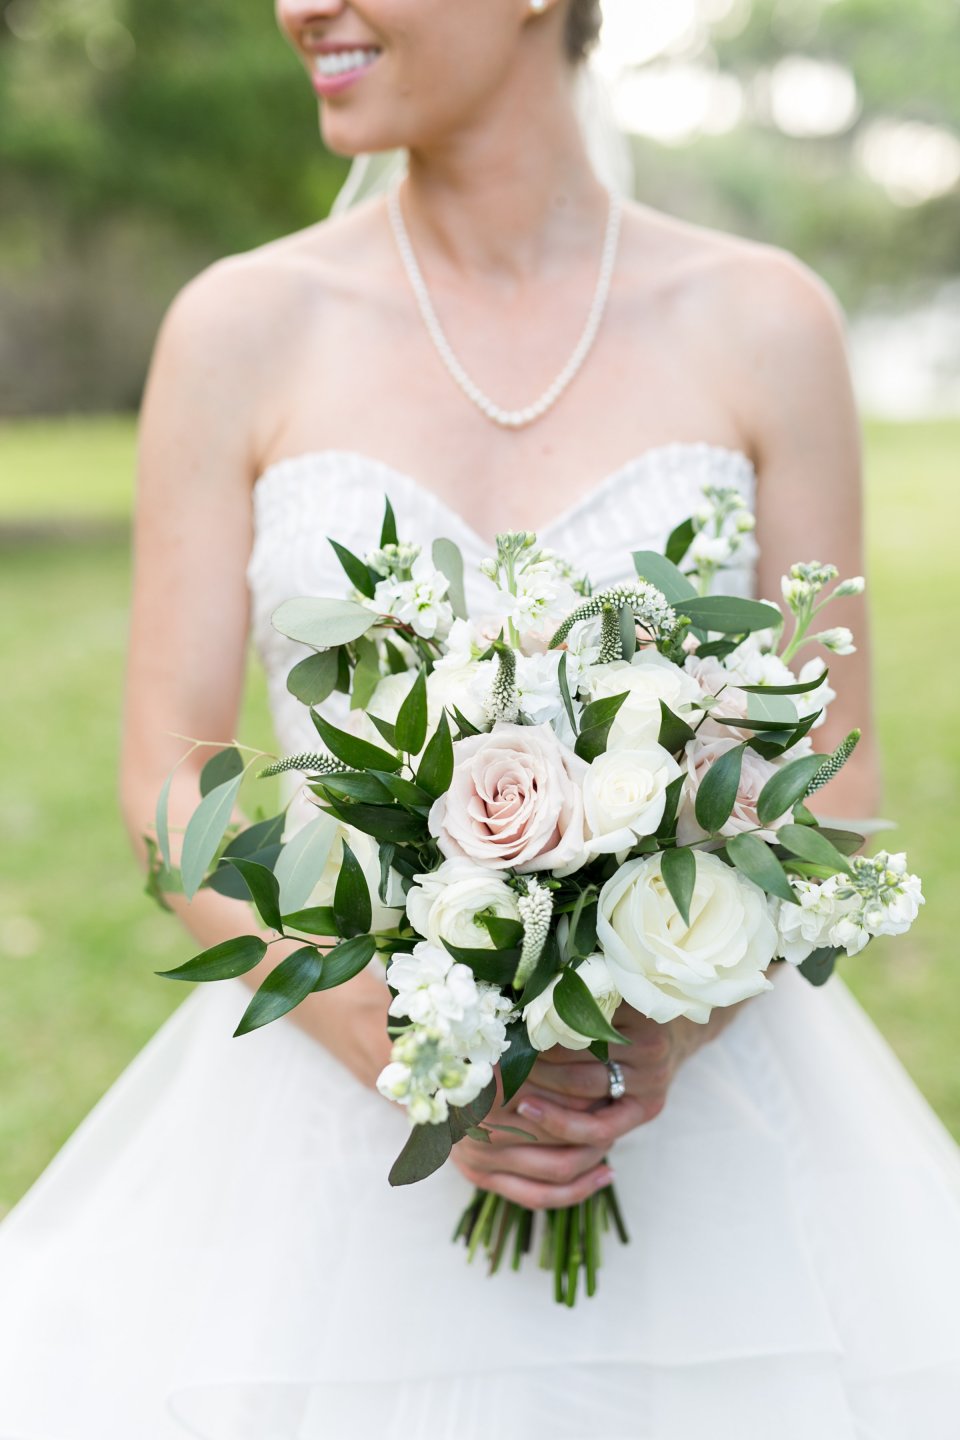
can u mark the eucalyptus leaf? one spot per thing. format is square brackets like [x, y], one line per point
[449, 561]
[322, 623]
[628, 633]
[729, 615]
[718, 790]
[427, 1148]
[679, 870]
[351, 897]
[222, 962]
[754, 858]
[366, 673]
[786, 787]
[659, 571]
[303, 861]
[284, 988]
[464, 1117]
[576, 1006]
[221, 767]
[162, 823]
[772, 707]
[205, 831]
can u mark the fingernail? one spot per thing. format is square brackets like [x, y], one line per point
[531, 1110]
[603, 1178]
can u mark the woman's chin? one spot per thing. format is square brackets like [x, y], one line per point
[342, 135]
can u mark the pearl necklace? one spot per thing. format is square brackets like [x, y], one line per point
[508, 419]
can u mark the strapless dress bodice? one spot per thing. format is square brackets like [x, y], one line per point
[300, 501]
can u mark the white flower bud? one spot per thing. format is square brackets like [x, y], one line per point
[854, 586]
[839, 640]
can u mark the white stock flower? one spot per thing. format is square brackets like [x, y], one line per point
[839, 639]
[545, 1027]
[712, 550]
[845, 911]
[443, 905]
[420, 602]
[647, 679]
[664, 968]
[624, 796]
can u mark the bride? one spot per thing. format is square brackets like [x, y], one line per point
[216, 1251]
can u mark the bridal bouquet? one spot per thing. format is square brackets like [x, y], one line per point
[571, 800]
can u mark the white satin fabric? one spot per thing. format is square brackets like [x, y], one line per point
[216, 1251]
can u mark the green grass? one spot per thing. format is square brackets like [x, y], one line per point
[79, 942]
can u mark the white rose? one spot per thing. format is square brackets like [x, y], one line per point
[664, 968]
[463, 686]
[647, 679]
[544, 1026]
[443, 905]
[624, 796]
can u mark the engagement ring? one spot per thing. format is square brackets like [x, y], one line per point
[618, 1086]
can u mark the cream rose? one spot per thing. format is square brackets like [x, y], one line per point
[754, 774]
[624, 796]
[514, 802]
[665, 968]
[647, 679]
[544, 1026]
[443, 905]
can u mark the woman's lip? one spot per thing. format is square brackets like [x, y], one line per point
[332, 84]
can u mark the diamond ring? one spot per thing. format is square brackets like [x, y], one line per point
[618, 1087]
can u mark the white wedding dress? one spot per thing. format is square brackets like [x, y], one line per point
[216, 1252]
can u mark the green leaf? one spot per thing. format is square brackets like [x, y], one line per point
[317, 920]
[517, 1060]
[674, 732]
[359, 785]
[412, 719]
[220, 768]
[628, 633]
[476, 1132]
[227, 880]
[800, 688]
[754, 858]
[436, 768]
[366, 673]
[356, 572]
[426, 1150]
[388, 530]
[205, 830]
[673, 793]
[284, 988]
[223, 962]
[506, 934]
[729, 615]
[496, 967]
[575, 1005]
[464, 1117]
[595, 725]
[679, 542]
[314, 679]
[320, 623]
[809, 843]
[358, 754]
[345, 961]
[465, 726]
[679, 870]
[848, 842]
[818, 967]
[344, 673]
[351, 898]
[565, 695]
[386, 728]
[659, 571]
[258, 837]
[411, 796]
[383, 822]
[303, 860]
[396, 662]
[449, 561]
[786, 787]
[778, 709]
[718, 790]
[162, 824]
[264, 890]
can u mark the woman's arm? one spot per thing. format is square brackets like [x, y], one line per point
[203, 426]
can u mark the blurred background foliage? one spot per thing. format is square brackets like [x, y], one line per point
[142, 139]
[831, 127]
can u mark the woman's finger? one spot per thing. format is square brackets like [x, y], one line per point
[586, 1081]
[535, 1194]
[598, 1128]
[556, 1164]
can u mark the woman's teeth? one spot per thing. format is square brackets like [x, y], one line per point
[338, 62]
